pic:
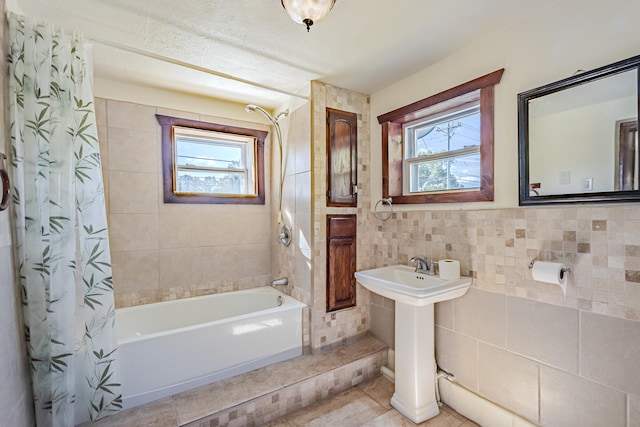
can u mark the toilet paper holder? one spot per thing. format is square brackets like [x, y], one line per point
[565, 270]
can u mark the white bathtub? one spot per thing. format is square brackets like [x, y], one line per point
[170, 347]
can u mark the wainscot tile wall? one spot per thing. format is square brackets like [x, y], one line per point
[556, 360]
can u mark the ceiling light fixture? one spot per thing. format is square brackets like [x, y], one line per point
[307, 12]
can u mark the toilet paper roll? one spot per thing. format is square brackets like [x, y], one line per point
[449, 269]
[550, 272]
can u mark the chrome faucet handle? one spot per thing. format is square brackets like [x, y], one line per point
[421, 264]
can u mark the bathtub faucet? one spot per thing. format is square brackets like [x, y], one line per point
[280, 282]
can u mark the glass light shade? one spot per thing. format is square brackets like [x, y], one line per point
[307, 12]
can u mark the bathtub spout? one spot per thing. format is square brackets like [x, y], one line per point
[280, 282]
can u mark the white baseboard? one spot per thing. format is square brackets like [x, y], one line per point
[477, 408]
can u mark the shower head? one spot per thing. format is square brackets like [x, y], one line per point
[251, 108]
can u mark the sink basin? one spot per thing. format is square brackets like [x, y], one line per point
[401, 283]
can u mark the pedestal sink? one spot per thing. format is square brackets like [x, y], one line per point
[415, 295]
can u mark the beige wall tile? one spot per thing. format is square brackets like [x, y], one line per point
[610, 351]
[544, 332]
[482, 315]
[458, 354]
[133, 192]
[133, 150]
[101, 111]
[221, 263]
[303, 192]
[126, 115]
[300, 137]
[444, 314]
[254, 260]
[178, 230]
[133, 232]
[253, 228]
[509, 380]
[634, 411]
[180, 267]
[135, 271]
[302, 240]
[217, 229]
[570, 401]
[383, 324]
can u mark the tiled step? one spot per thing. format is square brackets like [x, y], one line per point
[268, 393]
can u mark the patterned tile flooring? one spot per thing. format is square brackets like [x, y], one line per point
[365, 405]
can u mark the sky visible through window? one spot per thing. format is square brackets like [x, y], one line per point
[448, 136]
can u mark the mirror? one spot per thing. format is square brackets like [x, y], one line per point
[578, 138]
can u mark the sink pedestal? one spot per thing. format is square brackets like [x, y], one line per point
[415, 389]
[415, 294]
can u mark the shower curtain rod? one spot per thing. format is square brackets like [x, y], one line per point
[190, 66]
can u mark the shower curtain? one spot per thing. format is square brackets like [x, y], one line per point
[61, 240]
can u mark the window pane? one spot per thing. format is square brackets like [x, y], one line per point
[211, 182]
[209, 155]
[445, 174]
[448, 135]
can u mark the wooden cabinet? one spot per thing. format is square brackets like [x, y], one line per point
[341, 261]
[342, 158]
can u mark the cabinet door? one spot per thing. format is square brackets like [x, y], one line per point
[341, 261]
[342, 158]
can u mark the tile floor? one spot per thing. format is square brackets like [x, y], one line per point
[365, 405]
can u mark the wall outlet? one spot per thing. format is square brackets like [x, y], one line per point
[565, 177]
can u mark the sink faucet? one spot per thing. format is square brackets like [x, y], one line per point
[421, 264]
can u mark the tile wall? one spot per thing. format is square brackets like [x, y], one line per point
[553, 359]
[166, 251]
[15, 388]
[294, 261]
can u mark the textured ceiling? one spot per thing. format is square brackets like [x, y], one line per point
[362, 45]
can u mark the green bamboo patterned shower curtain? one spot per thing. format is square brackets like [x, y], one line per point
[62, 246]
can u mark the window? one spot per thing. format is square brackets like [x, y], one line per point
[440, 149]
[211, 163]
[443, 153]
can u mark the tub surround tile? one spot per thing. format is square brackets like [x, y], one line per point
[131, 192]
[134, 232]
[133, 150]
[127, 115]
